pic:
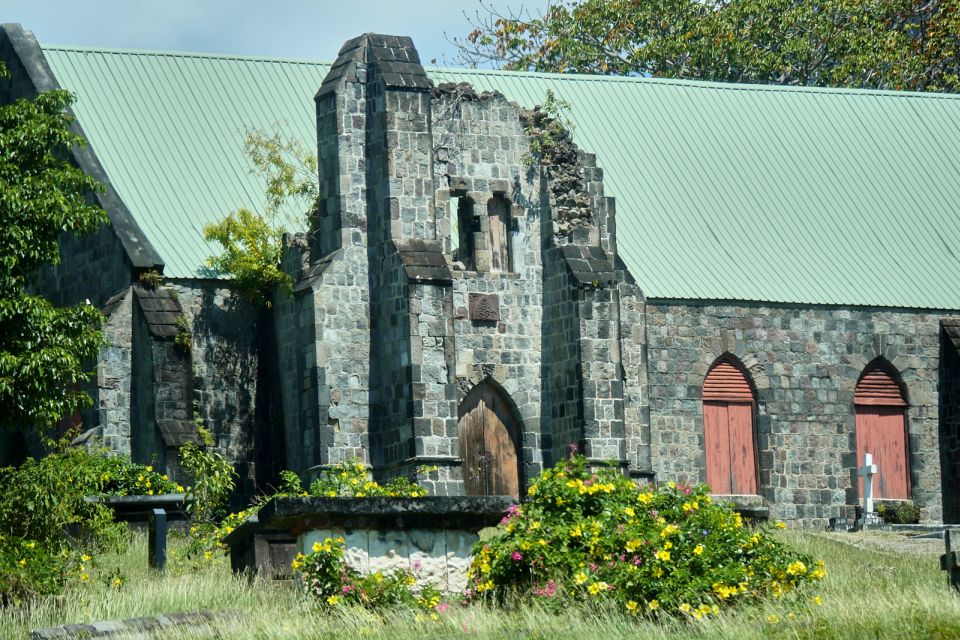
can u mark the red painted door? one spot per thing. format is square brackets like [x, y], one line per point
[882, 432]
[728, 440]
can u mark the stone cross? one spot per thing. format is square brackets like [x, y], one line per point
[867, 471]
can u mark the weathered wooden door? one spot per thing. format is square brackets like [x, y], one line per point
[489, 443]
[728, 433]
[882, 431]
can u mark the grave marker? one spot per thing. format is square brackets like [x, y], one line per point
[867, 471]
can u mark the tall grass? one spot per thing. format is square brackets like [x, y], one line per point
[868, 593]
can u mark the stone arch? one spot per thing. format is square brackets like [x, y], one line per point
[490, 436]
[729, 398]
[880, 408]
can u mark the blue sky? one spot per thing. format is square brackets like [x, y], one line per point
[307, 29]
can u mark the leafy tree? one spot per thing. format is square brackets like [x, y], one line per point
[890, 44]
[43, 348]
[251, 242]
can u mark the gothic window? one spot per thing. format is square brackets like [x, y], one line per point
[498, 212]
[729, 437]
[881, 422]
[463, 252]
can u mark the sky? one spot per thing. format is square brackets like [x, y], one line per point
[294, 29]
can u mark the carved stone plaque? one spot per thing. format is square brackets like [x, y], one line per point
[484, 306]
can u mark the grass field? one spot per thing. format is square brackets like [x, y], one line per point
[879, 586]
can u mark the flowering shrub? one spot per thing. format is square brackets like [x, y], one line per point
[349, 479]
[332, 581]
[29, 569]
[598, 537]
[121, 477]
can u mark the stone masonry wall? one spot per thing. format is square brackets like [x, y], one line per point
[805, 363]
[950, 425]
[113, 393]
[225, 365]
[479, 146]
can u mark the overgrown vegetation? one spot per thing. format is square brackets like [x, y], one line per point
[899, 513]
[597, 537]
[251, 241]
[44, 349]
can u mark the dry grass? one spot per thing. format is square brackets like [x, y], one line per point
[879, 586]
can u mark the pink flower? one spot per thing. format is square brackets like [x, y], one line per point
[443, 606]
[517, 556]
[416, 565]
[550, 590]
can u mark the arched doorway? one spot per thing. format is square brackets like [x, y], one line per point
[728, 429]
[489, 433]
[881, 418]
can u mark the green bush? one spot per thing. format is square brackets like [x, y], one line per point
[899, 513]
[44, 501]
[349, 479]
[597, 537]
[121, 477]
[29, 569]
[328, 578]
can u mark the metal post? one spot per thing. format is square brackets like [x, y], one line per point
[157, 526]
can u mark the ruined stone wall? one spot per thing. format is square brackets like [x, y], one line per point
[805, 363]
[112, 394]
[225, 361]
[950, 421]
[479, 154]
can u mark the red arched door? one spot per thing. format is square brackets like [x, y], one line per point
[728, 433]
[489, 443]
[882, 431]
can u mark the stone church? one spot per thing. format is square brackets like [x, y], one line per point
[757, 288]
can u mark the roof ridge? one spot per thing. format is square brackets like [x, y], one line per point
[710, 84]
[566, 77]
[179, 54]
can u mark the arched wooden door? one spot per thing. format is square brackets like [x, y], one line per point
[489, 443]
[728, 433]
[882, 431]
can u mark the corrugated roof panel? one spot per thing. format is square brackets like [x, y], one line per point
[724, 192]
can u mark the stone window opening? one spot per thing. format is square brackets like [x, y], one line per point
[465, 226]
[498, 234]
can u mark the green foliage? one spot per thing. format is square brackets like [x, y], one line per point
[332, 581]
[889, 44]
[899, 513]
[42, 347]
[151, 279]
[597, 537]
[251, 242]
[349, 479]
[43, 500]
[28, 570]
[184, 338]
[550, 131]
[213, 481]
[121, 477]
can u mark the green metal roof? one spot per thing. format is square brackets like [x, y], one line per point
[724, 192]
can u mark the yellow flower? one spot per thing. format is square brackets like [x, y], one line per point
[297, 562]
[85, 558]
[22, 562]
[773, 618]
[779, 524]
[485, 586]
[333, 600]
[532, 491]
[117, 582]
[31, 544]
[165, 477]
[668, 530]
[684, 607]
[149, 468]
[317, 547]
[208, 555]
[580, 578]
[697, 550]
[663, 556]
[645, 498]
[653, 605]
[630, 512]
[657, 572]
[632, 607]
[668, 545]
[576, 532]
[597, 587]
[817, 600]
[633, 545]
[797, 568]
[84, 577]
